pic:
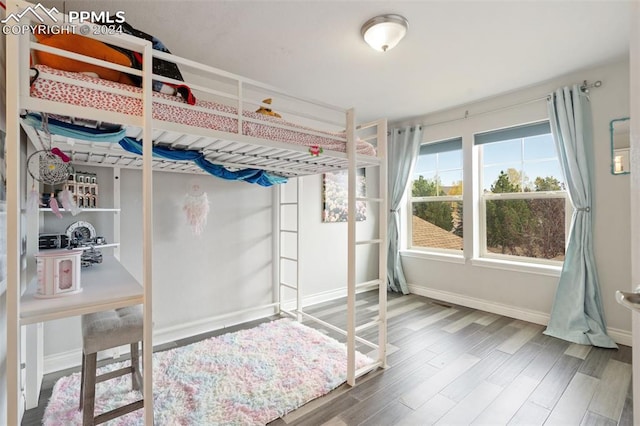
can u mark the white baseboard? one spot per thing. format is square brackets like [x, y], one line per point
[622, 337]
[62, 361]
[324, 297]
[205, 325]
[73, 358]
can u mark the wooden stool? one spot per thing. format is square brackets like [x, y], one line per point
[106, 330]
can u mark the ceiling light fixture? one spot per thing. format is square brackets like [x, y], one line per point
[384, 32]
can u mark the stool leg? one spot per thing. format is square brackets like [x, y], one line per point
[82, 382]
[135, 367]
[89, 394]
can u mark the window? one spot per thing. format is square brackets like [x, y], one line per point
[524, 208]
[436, 197]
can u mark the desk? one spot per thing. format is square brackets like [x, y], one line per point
[107, 285]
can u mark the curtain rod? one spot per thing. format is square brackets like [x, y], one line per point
[584, 87]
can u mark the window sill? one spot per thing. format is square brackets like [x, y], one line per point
[503, 264]
[432, 255]
[510, 265]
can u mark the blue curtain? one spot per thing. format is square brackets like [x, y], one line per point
[403, 147]
[577, 314]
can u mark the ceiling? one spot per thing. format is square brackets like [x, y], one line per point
[455, 52]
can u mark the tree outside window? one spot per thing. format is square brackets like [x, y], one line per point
[524, 198]
[436, 197]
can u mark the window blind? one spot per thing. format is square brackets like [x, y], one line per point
[441, 146]
[510, 133]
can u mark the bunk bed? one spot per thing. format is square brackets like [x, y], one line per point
[221, 129]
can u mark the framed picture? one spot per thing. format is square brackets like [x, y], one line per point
[334, 196]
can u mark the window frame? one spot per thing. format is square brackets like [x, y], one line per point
[481, 208]
[435, 198]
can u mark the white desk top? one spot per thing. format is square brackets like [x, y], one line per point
[105, 286]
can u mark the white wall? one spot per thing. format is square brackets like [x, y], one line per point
[324, 245]
[195, 277]
[530, 295]
[225, 270]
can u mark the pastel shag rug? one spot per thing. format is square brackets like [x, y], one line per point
[249, 377]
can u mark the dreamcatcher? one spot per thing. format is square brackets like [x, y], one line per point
[196, 208]
[51, 167]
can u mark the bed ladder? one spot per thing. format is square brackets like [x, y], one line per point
[380, 322]
[287, 233]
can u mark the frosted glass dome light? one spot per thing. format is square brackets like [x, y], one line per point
[384, 32]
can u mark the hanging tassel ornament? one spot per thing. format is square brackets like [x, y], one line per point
[196, 208]
[54, 206]
[33, 200]
[66, 199]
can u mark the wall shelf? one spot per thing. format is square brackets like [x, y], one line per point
[47, 209]
[98, 246]
[95, 246]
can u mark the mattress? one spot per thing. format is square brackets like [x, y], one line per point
[172, 109]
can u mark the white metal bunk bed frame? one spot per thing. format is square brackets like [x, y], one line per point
[261, 154]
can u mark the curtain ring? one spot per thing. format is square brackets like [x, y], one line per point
[584, 209]
[393, 211]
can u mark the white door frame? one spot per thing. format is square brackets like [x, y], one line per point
[634, 108]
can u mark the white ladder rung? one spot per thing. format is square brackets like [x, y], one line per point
[368, 283]
[367, 368]
[292, 287]
[367, 325]
[337, 329]
[289, 231]
[292, 203]
[359, 243]
[290, 313]
[288, 258]
[373, 200]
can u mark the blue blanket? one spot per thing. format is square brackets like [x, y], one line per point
[62, 128]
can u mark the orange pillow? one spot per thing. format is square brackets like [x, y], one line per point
[85, 46]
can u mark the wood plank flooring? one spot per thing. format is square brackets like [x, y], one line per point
[451, 365]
